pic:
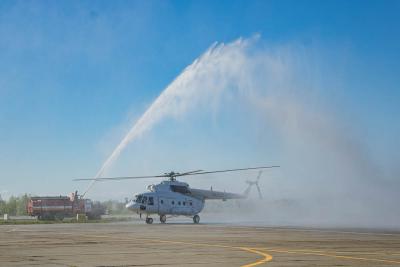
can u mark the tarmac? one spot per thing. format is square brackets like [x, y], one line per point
[187, 244]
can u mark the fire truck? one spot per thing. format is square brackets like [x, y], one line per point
[59, 207]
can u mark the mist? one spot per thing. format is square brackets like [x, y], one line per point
[329, 174]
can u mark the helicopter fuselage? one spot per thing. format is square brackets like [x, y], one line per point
[166, 204]
[167, 198]
[172, 197]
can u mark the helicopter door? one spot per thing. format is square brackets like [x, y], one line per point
[152, 204]
[143, 202]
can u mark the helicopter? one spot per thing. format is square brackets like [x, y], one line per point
[175, 198]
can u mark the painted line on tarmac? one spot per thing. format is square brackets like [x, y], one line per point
[304, 252]
[333, 231]
[266, 257]
[390, 253]
[299, 229]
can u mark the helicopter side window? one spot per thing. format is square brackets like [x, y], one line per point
[179, 203]
[151, 201]
[173, 202]
[190, 203]
[184, 203]
[162, 201]
[144, 200]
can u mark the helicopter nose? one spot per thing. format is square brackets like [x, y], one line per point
[131, 205]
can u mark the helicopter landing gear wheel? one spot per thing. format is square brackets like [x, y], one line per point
[149, 220]
[163, 218]
[196, 219]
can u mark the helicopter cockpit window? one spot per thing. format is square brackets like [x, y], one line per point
[151, 201]
[138, 199]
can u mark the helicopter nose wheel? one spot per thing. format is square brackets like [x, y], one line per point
[196, 219]
[163, 218]
[149, 220]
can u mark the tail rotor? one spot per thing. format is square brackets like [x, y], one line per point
[251, 183]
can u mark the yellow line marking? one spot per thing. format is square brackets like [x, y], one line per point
[266, 257]
[331, 255]
[322, 231]
[390, 253]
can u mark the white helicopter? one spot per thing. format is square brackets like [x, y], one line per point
[175, 198]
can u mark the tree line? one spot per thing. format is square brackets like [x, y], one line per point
[16, 206]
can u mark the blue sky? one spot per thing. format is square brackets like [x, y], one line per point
[73, 74]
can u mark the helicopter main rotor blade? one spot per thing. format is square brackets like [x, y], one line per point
[135, 177]
[234, 170]
[188, 173]
[120, 178]
[169, 175]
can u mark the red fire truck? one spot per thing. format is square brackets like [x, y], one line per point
[58, 207]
